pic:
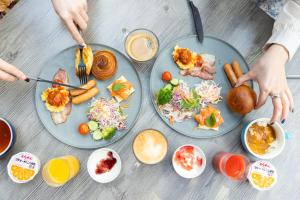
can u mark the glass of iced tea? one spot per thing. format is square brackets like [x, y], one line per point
[141, 45]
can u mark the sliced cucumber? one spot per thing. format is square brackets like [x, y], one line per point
[92, 125]
[97, 134]
[174, 82]
[168, 87]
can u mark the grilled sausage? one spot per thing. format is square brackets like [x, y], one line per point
[230, 74]
[85, 96]
[90, 84]
[238, 70]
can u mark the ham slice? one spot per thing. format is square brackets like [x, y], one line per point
[204, 70]
[61, 117]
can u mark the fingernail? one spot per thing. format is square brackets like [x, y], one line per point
[271, 124]
[293, 110]
[27, 80]
[283, 121]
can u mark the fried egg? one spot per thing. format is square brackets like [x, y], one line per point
[55, 99]
[184, 58]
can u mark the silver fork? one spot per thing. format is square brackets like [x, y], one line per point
[82, 69]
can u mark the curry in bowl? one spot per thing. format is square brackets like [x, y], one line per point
[260, 137]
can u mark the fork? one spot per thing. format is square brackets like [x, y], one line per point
[82, 69]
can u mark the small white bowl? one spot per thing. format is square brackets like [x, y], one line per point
[106, 177]
[12, 138]
[273, 150]
[194, 172]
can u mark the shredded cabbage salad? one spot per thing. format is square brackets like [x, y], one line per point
[173, 110]
[186, 101]
[107, 113]
[209, 92]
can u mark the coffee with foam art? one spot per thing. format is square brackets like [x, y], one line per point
[150, 146]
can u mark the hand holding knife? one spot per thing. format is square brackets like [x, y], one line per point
[28, 79]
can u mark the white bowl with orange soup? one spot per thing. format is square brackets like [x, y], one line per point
[262, 140]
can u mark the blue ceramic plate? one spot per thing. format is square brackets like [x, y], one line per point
[67, 132]
[224, 53]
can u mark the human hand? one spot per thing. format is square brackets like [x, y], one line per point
[73, 13]
[269, 73]
[10, 73]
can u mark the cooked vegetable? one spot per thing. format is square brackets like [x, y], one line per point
[166, 76]
[83, 129]
[108, 133]
[97, 135]
[164, 95]
[93, 125]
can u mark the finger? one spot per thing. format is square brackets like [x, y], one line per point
[285, 107]
[10, 69]
[243, 79]
[85, 6]
[277, 109]
[291, 99]
[208, 68]
[74, 32]
[80, 22]
[262, 98]
[7, 77]
[84, 15]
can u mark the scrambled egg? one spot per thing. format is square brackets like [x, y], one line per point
[55, 99]
[184, 58]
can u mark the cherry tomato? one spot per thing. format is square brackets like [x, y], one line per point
[83, 129]
[166, 76]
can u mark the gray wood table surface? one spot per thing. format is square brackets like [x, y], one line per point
[32, 33]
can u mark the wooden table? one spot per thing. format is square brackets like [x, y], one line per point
[32, 33]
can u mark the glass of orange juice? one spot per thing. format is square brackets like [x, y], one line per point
[58, 171]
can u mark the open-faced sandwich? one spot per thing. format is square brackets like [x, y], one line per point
[193, 64]
[121, 89]
[57, 98]
[209, 118]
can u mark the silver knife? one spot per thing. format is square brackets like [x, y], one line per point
[293, 76]
[52, 82]
[197, 21]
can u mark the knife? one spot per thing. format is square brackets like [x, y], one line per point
[293, 76]
[197, 21]
[52, 82]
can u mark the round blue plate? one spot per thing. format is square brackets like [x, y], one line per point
[224, 53]
[67, 132]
